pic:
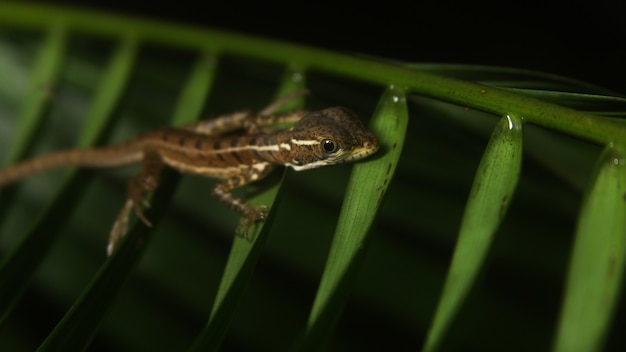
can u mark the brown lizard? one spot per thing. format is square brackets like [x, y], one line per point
[209, 148]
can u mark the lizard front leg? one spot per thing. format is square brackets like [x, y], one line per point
[251, 214]
[138, 186]
[245, 120]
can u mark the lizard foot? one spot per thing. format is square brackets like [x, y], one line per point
[252, 217]
[120, 226]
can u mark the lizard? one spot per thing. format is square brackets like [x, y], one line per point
[212, 148]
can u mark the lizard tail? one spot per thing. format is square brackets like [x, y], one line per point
[100, 157]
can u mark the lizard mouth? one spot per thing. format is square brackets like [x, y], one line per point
[362, 152]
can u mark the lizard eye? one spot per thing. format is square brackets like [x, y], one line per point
[329, 146]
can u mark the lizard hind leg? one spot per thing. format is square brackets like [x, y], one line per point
[146, 181]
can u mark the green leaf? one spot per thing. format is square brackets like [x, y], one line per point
[81, 322]
[40, 89]
[17, 268]
[494, 184]
[79, 325]
[597, 265]
[511, 77]
[245, 254]
[366, 188]
[193, 96]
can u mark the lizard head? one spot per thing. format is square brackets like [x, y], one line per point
[327, 137]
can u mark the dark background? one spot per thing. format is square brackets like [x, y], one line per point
[583, 40]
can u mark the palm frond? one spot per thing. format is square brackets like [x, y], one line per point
[304, 282]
